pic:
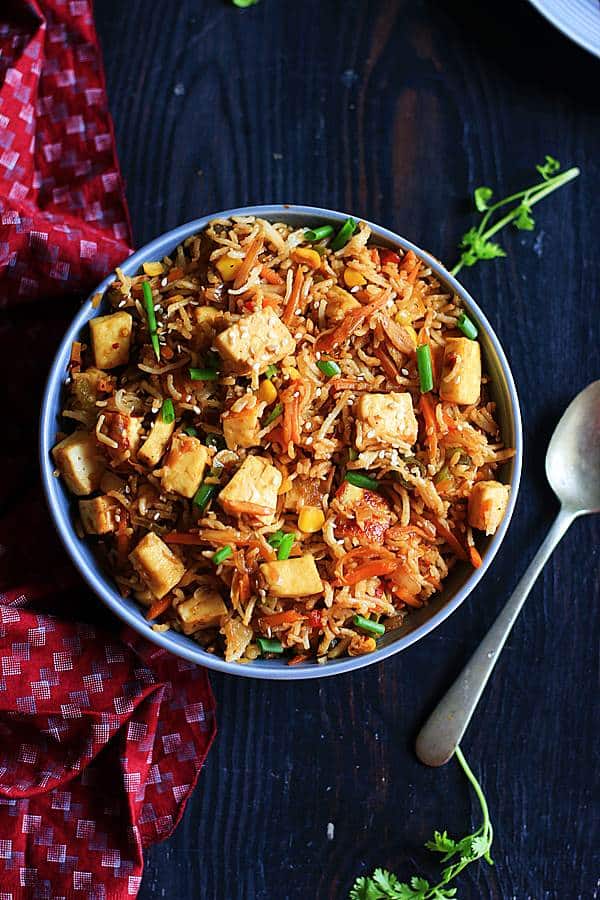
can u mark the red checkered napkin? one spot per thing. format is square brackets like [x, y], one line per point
[101, 738]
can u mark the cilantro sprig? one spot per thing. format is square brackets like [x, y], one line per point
[384, 885]
[476, 243]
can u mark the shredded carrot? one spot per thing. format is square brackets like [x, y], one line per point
[292, 304]
[122, 543]
[299, 658]
[75, 360]
[270, 276]
[428, 410]
[352, 321]
[175, 274]
[288, 617]
[475, 557]
[291, 412]
[387, 364]
[181, 537]
[371, 570]
[411, 265]
[451, 539]
[159, 607]
[249, 260]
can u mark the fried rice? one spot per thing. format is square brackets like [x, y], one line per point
[262, 455]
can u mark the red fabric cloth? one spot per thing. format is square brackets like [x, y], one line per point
[102, 735]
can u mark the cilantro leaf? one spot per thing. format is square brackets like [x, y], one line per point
[548, 168]
[523, 220]
[441, 843]
[482, 196]
[476, 244]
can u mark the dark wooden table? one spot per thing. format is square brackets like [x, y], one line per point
[394, 111]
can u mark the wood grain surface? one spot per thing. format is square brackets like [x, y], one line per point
[394, 111]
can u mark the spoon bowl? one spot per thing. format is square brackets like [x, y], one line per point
[573, 457]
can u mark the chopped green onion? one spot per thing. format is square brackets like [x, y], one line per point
[343, 235]
[149, 304]
[352, 453]
[270, 371]
[221, 554]
[168, 411]
[467, 327]
[204, 374]
[285, 547]
[274, 414]
[424, 367]
[191, 431]
[275, 539]
[204, 493]
[443, 475]
[269, 646]
[329, 367]
[317, 234]
[362, 481]
[369, 625]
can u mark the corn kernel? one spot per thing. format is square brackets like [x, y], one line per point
[227, 267]
[153, 268]
[307, 256]
[404, 317]
[352, 278]
[293, 372]
[310, 519]
[267, 392]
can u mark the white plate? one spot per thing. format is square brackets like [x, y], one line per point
[578, 19]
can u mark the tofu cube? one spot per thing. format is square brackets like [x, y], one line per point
[255, 342]
[98, 515]
[156, 443]
[487, 504]
[207, 322]
[461, 372]
[385, 419]
[80, 463]
[184, 465]
[253, 490]
[297, 577]
[204, 610]
[156, 565]
[339, 304]
[124, 430]
[241, 428]
[303, 492]
[111, 339]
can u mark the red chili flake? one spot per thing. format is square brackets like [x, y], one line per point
[115, 346]
[314, 618]
[388, 256]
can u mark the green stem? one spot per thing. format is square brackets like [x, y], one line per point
[486, 826]
[537, 195]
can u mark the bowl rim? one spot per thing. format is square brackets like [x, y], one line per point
[100, 584]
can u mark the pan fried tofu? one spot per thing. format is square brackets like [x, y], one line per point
[487, 504]
[207, 322]
[240, 429]
[98, 515]
[80, 463]
[298, 577]
[303, 492]
[156, 564]
[111, 339]
[461, 373]
[184, 465]
[156, 443]
[204, 610]
[255, 342]
[124, 430]
[253, 490]
[385, 419]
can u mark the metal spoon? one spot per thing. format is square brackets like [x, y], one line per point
[573, 470]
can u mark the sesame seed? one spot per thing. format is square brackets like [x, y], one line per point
[382, 454]
[296, 394]
[404, 371]
[318, 392]
[156, 516]
[298, 312]
[370, 433]
[307, 426]
[309, 439]
[389, 304]
[318, 354]
[163, 282]
[197, 410]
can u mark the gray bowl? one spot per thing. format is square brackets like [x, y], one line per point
[463, 578]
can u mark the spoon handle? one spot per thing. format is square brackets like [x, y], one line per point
[446, 725]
